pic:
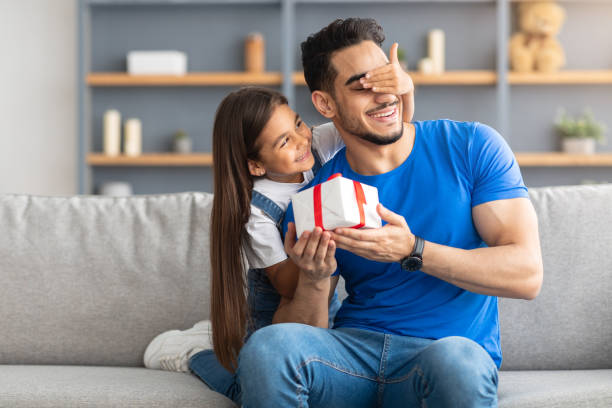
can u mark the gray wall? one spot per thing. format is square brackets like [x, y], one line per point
[38, 97]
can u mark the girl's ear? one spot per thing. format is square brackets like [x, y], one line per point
[323, 102]
[255, 168]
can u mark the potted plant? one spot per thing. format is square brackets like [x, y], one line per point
[181, 142]
[580, 134]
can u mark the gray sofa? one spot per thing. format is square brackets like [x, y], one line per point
[86, 282]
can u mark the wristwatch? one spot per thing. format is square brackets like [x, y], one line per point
[414, 261]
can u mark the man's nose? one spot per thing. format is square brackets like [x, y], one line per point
[385, 98]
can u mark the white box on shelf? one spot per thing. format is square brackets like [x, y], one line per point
[156, 63]
[338, 202]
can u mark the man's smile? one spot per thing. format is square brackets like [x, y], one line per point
[385, 113]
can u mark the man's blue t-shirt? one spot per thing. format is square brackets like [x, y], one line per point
[453, 167]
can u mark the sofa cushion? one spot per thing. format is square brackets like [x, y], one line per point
[90, 280]
[63, 386]
[569, 325]
[555, 389]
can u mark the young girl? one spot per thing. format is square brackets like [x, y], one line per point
[263, 153]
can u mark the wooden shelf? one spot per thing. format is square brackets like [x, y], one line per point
[151, 159]
[455, 78]
[561, 78]
[269, 78]
[447, 78]
[557, 159]
[190, 79]
[525, 159]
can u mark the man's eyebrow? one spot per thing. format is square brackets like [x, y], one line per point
[354, 78]
[284, 135]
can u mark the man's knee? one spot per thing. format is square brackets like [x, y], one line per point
[461, 355]
[461, 363]
[270, 343]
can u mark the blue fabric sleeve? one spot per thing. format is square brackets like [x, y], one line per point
[288, 218]
[495, 172]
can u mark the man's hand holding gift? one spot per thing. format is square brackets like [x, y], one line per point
[345, 214]
[390, 243]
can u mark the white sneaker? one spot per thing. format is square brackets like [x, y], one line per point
[172, 350]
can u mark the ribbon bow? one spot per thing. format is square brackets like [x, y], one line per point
[359, 195]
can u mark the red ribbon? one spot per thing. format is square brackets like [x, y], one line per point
[359, 196]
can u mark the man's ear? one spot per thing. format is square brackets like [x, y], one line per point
[324, 103]
[255, 168]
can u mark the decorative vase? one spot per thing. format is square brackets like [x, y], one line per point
[116, 189]
[182, 145]
[579, 145]
[426, 66]
[254, 53]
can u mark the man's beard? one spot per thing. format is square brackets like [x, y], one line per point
[355, 128]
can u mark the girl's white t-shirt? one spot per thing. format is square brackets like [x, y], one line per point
[266, 246]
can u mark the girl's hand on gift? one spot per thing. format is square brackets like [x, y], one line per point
[390, 78]
[390, 243]
[314, 253]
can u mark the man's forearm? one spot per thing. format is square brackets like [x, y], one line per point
[506, 270]
[309, 304]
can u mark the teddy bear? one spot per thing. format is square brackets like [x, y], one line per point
[535, 46]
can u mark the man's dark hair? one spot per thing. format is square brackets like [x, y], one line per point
[318, 48]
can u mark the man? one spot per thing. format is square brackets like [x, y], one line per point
[420, 324]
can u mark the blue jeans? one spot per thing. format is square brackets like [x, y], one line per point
[295, 365]
[263, 301]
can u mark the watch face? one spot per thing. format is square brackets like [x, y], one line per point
[412, 263]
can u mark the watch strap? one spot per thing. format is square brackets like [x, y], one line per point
[419, 245]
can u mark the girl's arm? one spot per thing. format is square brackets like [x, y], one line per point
[314, 252]
[284, 277]
[408, 104]
[303, 307]
[391, 78]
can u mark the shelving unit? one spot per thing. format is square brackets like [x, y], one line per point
[490, 92]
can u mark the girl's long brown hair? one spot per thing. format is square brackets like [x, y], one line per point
[239, 120]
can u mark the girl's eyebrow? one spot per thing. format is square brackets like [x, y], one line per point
[284, 134]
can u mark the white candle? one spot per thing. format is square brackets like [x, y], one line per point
[436, 50]
[112, 132]
[133, 137]
[426, 66]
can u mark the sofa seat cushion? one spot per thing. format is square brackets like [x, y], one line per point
[558, 389]
[83, 386]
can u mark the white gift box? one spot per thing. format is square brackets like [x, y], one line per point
[336, 203]
[156, 63]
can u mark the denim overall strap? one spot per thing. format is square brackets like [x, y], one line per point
[317, 162]
[263, 299]
[269, 207]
